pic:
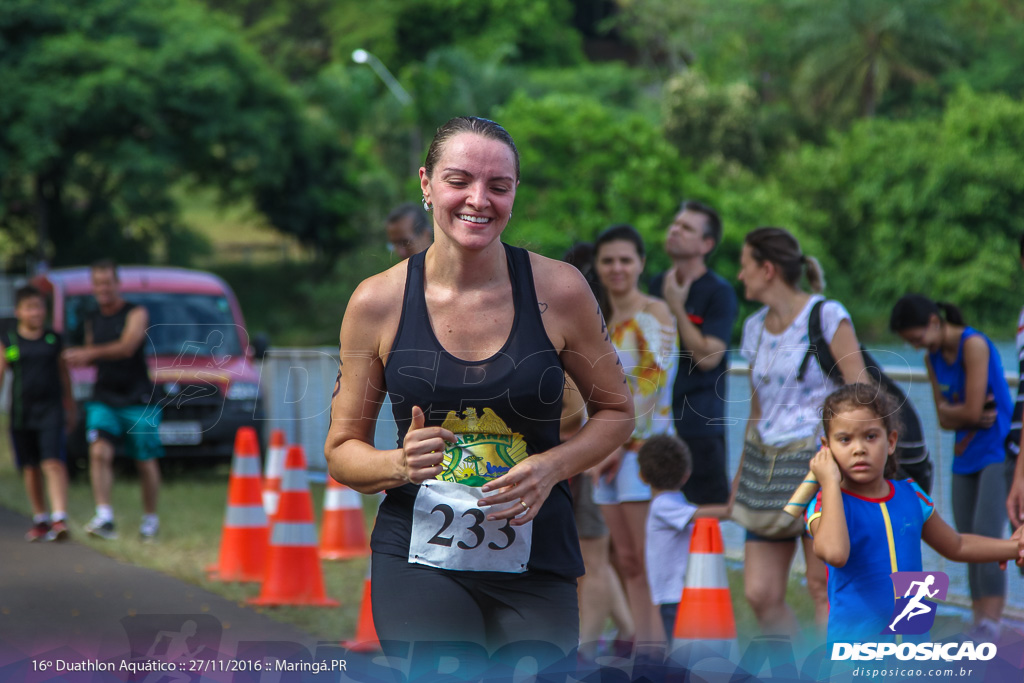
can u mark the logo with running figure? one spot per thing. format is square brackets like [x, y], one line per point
[914, 613]
[485, 448]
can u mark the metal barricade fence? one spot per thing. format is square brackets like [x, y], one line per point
[296, 385]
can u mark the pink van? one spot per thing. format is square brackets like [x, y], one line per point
[200, 355]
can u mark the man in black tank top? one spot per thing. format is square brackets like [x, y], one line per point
[40, 402]
[121, 409]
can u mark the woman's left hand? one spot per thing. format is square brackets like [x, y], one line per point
[528, 484]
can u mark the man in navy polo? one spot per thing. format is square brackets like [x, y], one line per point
[705, 308]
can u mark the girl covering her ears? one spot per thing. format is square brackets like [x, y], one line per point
[866, 525]
[971, 397]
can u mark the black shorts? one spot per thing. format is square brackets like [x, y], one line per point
[709, 483]
[489, 611]
[32, 446]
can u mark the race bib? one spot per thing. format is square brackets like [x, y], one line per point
[450, 531]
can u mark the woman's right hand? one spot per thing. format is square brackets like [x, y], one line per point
[824, 466]
[423, 449]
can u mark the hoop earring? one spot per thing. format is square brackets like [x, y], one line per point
[510, 215]
[427, 206]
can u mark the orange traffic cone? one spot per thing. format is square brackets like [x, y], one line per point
[243, 543]
[342, 531]
[294, 575]
[705, 608]
[273, 471]
[366, 639]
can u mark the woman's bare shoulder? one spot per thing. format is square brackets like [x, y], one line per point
[659, 309]
[373, 311]
[378, 293]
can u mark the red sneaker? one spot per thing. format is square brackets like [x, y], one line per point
[58, 531]
[37, 532]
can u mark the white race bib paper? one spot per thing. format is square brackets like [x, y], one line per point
[450, 531]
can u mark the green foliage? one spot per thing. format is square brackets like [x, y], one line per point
[586, 166]
[993, 35]
[537, 32]
[852, 52]
[301, 37]
[712, 124]
[929, 206]
[613, 83]
[452, 81]
[108, 103]
[660, 30]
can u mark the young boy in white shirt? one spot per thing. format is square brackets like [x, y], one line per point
[665, 465]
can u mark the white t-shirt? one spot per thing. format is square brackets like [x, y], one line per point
[668, 545]
[790, 408]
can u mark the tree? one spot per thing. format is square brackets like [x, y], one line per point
[661, 30]
[587, 166]
[923, 205]
[301, 37]
[107, 104]
[850, 53]
[713, 123]
[536, 32]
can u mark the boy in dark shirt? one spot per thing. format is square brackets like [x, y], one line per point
[42, 409]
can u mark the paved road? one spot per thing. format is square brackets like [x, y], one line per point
[66, 604]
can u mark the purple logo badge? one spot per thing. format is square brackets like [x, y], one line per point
[914, 613]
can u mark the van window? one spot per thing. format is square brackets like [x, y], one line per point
[197, 323]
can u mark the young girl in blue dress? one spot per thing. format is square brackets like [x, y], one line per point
[866, 525]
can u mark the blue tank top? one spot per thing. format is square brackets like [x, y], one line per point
[975, 449]
[517, 391]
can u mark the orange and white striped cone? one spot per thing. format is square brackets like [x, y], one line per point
[366, 639]
[294, 575]
[273, 471]
[342, 530]
[243, 543]
[705, 613]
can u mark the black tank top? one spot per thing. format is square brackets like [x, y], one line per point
[521, 385]
[122, 382]
[36, 391]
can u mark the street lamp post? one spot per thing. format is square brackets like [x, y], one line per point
[401, 94]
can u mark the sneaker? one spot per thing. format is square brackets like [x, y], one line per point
[986, 631]
[58, 531]
[101, 528]
[37, 532]
[149, 529]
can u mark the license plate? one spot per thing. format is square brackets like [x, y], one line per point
[180, 433]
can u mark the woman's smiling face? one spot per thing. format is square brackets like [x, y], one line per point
[472, 189]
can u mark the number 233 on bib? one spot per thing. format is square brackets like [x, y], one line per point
[451, 531]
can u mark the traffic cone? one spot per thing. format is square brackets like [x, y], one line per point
[273, 471]
[366, 639]
[342, 530]
[243, 543]
[294, 575]
[705, 608]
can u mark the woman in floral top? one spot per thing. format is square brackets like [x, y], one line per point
[644, 335]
